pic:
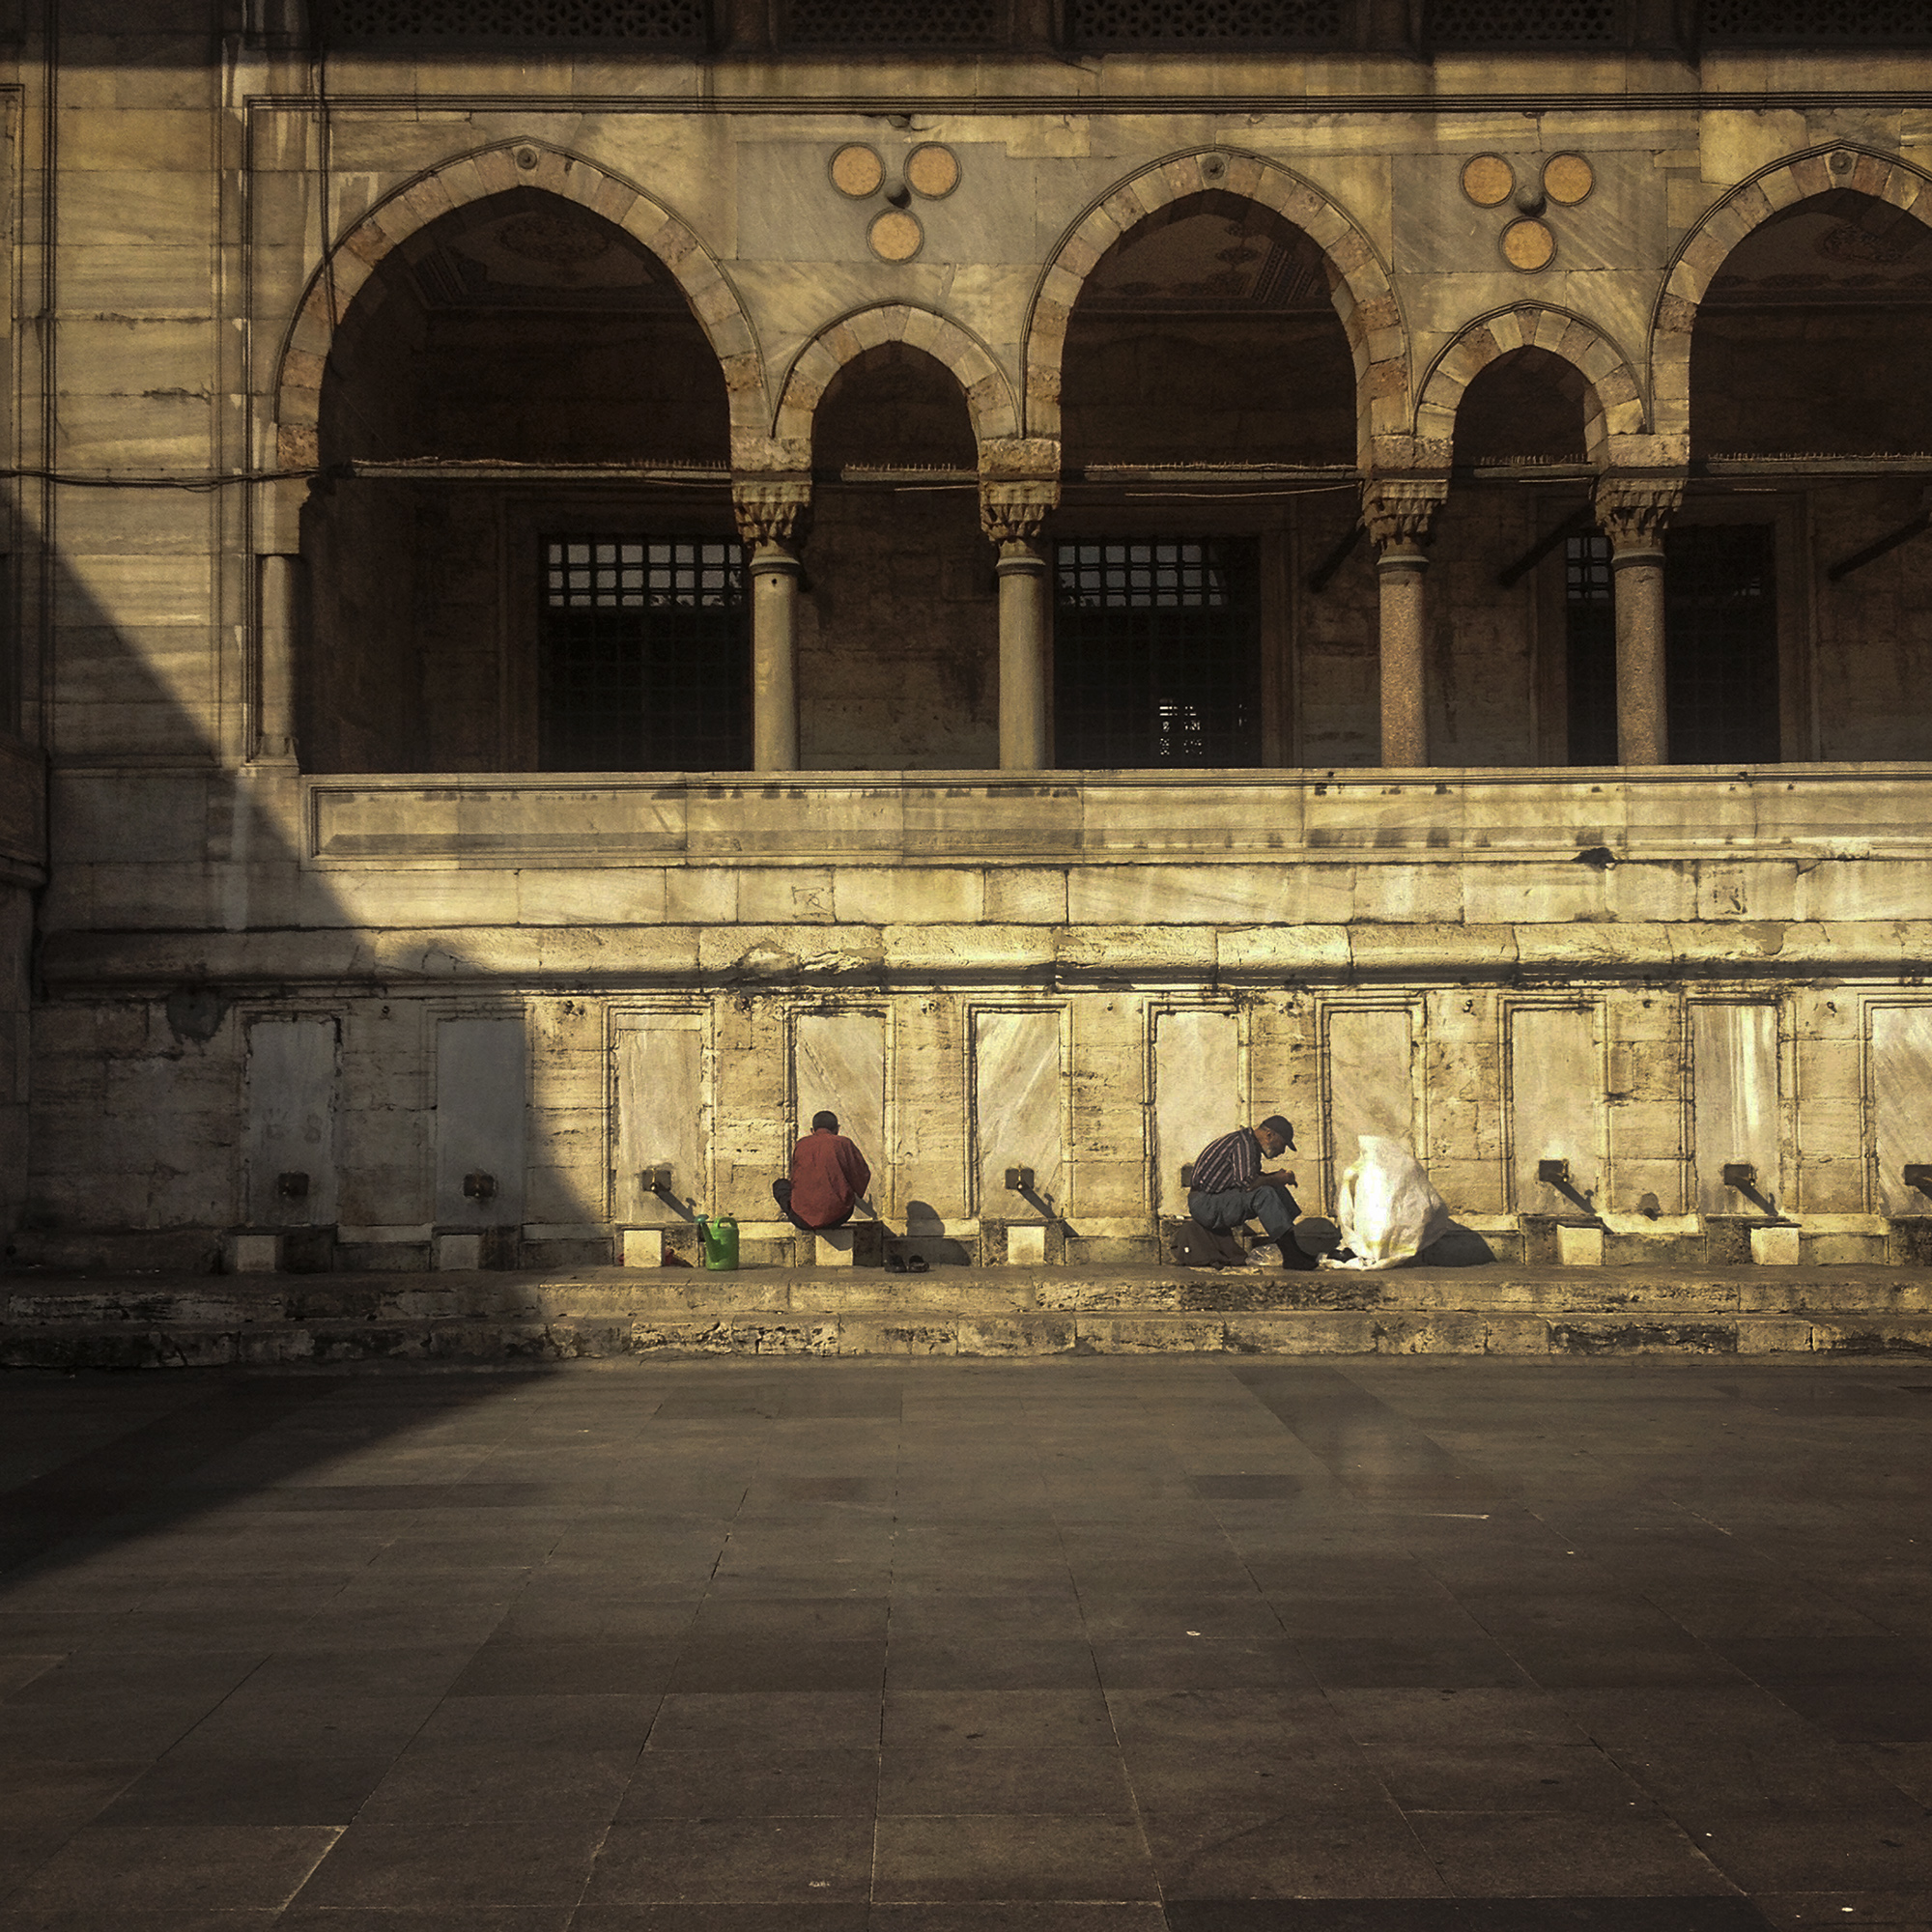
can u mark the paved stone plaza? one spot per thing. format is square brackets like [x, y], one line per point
[1638, 1644]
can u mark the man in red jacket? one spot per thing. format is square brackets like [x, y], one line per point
[828, 1176]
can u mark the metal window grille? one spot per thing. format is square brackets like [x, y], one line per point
[644, 655]
[865, 23]
[678, 22]
[1136, 23]
[1812, 23]
[1157, 654]
[1720, 644]
[1524, 23]
[1590, 651]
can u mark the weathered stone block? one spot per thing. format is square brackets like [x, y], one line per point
[641, 1248]
[246, 1253]
[857, 1244]
[1579, 1247]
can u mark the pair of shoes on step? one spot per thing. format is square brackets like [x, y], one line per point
[907, 1265]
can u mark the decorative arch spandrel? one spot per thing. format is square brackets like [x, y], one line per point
[473, 178]
[1735, 214]
[972, 364]
[1359, 285]
[1615, 408]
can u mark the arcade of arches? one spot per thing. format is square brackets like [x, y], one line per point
[527, 549]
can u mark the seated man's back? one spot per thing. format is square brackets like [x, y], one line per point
[828, 1176]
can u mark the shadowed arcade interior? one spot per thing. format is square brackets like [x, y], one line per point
[898, 656]
[541, 346]
[1204, 343]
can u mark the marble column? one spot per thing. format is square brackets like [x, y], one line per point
[771, 513]
[1399, 512]
[1634, 512]
[1011, 514]
[280, 584]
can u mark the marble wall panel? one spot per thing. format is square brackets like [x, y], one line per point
[1018, 1114]
[292, 1094]
[1165, 896]
[1196, 1092]
[1556, 1103]
[662, 1117]
[482, 825]
[787, 820]
[480, 1068]
[1735, 1101]
[1901, 1103]
[1370, 1088]
[838, 1062]
[993, 821]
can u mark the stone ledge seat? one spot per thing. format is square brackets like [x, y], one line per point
[494, 1316]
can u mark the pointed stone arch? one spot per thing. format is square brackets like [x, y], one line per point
[1703, 251]
[1615, 406]
[989, 395]
[1363, 296]
[473, 178]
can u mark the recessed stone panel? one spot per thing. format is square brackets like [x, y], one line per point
[1196, 1092]
[1018, 1108]
[839, 1064]
[1901, 1103]
[1556, 1104]
[661, 1119]
[1734, 1070]
[290, 1150]
[1370, 1088]
[480, 1069]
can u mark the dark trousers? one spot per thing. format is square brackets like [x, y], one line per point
[1272, 1206]
[781, 1193]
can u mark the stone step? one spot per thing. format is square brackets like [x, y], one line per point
[684, 1293]
[497, 1318]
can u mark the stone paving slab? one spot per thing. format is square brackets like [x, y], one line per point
[1175, 1644]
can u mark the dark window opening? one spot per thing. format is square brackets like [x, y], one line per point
[1194, 23]
[1721, 649]
[1811, 23]
[676, 23]
[1590, 651]
[1157, 654]
[1526, 23]
[865, 24]
[644, 655]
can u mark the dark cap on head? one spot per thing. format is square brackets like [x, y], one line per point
[1284, 1128]
[825, 1119]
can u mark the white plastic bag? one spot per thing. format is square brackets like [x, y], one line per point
[1386, 1208]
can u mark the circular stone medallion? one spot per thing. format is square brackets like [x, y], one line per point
[858, 171]
[1567, 178]
[896, 236]
[1487, 180]
[932, 171]
[1529, 246]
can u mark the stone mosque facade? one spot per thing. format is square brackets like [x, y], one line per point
[588, 578]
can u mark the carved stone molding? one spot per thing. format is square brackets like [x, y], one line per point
[1011, 458]
[1400, 511]
[1012, 512]
[1634, 511]
[772, 511]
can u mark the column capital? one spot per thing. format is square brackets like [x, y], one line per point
[771, 511]
[1013, 510]
[1399, 512]
[1636, 510]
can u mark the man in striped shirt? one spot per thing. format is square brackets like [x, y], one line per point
[1229, 1184]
